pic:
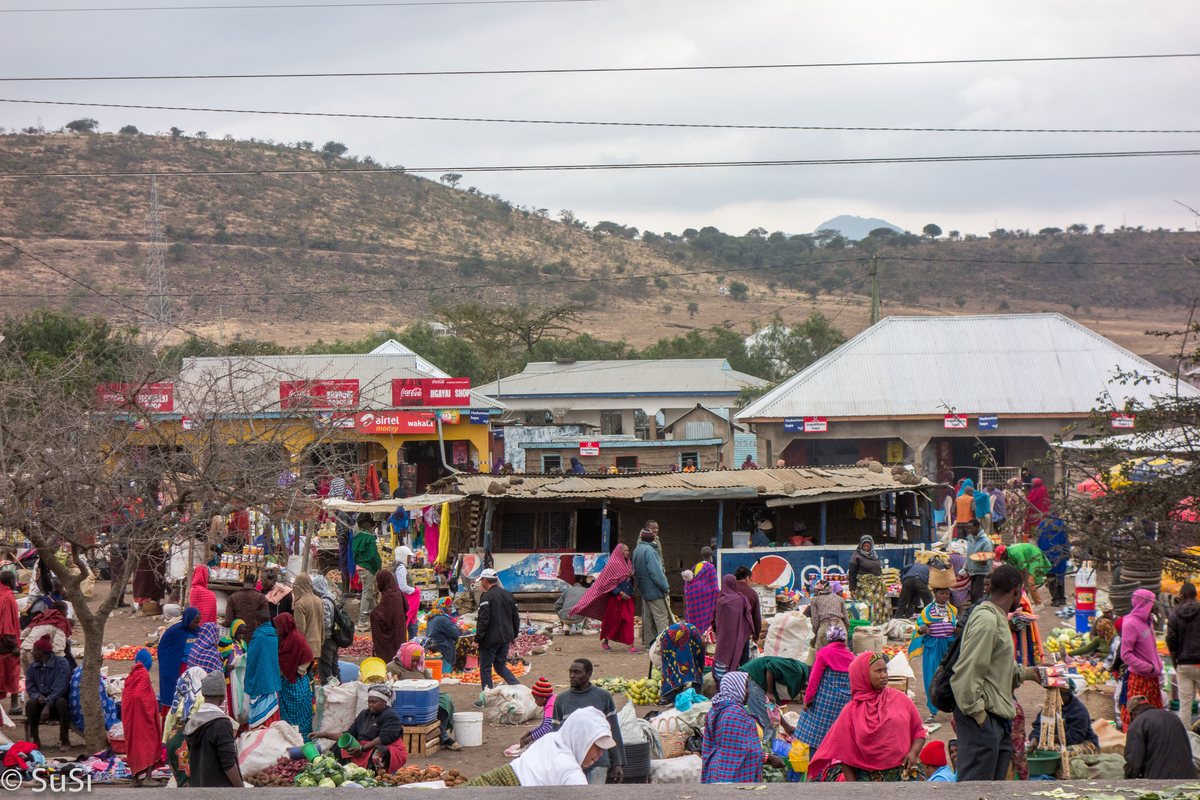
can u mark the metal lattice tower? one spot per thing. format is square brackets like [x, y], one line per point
[158, 305]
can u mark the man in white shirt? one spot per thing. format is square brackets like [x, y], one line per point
[402, 554]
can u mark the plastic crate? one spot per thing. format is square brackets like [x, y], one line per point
[416, 701]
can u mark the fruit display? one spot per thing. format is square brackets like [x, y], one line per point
[472, 675]
[360, 648]
[643, 692]
[407, 775]
[1062, 640]
[524, 644]
[894, 649]
[128, 653]
[1093, 674]
[326, 772]
[612, 685]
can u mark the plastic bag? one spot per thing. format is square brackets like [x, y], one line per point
[509, 705]
[788, 635]
[1111, 739]
[340, 707]
[260, 749]
[627, 720]
[898, 667]
[685, 699]
[685, 769]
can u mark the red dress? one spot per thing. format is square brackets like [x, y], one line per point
[617, 625]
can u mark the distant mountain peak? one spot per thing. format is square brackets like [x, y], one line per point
[856, 228]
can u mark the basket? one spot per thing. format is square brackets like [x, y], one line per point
[673, 744]
[117, 745]
[1099, 704]
[637, 762]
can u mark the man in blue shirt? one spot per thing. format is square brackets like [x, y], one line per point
[651, 585]
[47, 681]
[914, 587]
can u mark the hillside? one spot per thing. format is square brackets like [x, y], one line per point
[296, 257]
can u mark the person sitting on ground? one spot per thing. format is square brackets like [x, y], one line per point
[53, 623]
[409, 664]
[443, 631]
[1100, 640]
[1156, 744]
[559, 759]
[828, 689]
[877, 737]
[733, 751]
[941, 761]
[1081, 739]
[543, 695]
[377, 732]
[567, 600]
[212, 750]
[47, 682]
[583, 694]
[172, 610]
[775, 672]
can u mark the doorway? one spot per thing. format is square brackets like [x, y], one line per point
[589, 537]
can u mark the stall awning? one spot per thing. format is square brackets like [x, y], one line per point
[388, 506]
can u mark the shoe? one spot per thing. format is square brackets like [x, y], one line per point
[16, 711]
[453, 747]
[479, 704]
[634, 650]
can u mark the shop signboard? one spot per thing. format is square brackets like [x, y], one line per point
[479, 418]
[1123, 420]
[394, 422]
[156, 397]
[989, 422]
[954, 422]
[816, 424]
[318, 394]
[431, 392]
[793, 424]
[589, 448]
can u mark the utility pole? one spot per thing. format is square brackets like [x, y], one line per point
[158, 307]
[874, 289]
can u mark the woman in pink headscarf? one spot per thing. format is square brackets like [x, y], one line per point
[1039, 505]
[1139, 651]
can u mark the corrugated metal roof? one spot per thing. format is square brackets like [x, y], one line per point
[808, 482]
[250, 384]
[1004, 364]
[667, 376]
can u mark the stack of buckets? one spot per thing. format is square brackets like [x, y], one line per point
[1085, 597]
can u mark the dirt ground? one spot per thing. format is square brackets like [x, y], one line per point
[125, 628]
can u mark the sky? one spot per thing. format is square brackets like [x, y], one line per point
[971, 198]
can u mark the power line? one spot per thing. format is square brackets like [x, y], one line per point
[603, 70]
[618, 124]
[246, 7]
[597, 167]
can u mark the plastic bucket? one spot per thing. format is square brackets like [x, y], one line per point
[345, 740]
[435, 668]
[295, 752]
[1083, 621]
[468, 728]
[310, 751]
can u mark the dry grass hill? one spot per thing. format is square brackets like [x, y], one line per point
[294, 257]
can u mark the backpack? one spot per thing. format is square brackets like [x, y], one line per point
[342, 629]
[941, 695]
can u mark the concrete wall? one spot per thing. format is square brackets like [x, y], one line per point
[656, 458]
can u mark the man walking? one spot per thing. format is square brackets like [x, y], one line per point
[582, 695]
[495, 629]
[366, 558]
[1183, 643]
[652, 586]
[913, 588]
[984, 679]
[977, 542]
[742, 577]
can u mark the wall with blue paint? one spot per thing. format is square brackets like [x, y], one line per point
[518, 572]
[806, 562]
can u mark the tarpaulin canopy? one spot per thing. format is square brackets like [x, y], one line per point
[388, 506]
[1136, 470]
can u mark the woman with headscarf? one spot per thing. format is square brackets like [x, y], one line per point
[295, 660]
[327, 660]
[233, 652]
[682, 650]
[409, 662]
[877, 737]
[173, 648]
[602, 600]
[733, 626]
[732, 751]
[141, 719]
[377, 732]
[308, 612]
[201, 597]
[935, 632]
[825, 609]
[866, 580]
[263, 676]
[443, 631]
[557, 759]
[1100, 640]
[828, 689]
[389, 618]
[187, 698]
[1037, 506]
[700, 595]
[204, 653]
[964, 506]
[1139, 651]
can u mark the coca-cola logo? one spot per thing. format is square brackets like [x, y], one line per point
[410, 391]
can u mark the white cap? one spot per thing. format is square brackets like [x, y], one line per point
[490, 574]
[402, 552]
[606, 742]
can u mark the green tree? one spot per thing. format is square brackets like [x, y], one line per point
[660, 283]
[693, 308]
[85, 125]
[781, 351]
[334, 149]
[960, 301]
[129, 130]
[451, 179]
[176, 132]
[932, 231]
[738, 290]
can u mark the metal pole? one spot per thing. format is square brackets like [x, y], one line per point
[720, 523]
[605, 544]
[874, 289]
[824, 510]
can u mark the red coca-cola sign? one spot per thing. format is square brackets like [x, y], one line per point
[431, 392]
[318, 394]
[156, 397]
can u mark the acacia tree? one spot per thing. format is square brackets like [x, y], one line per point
[90, 461]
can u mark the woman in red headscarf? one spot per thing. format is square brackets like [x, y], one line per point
[877, 737]
[1038, 502]
[389, 617]
[295, 659]
[142, 723]
[201, 597]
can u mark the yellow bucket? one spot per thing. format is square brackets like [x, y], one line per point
[372, 670]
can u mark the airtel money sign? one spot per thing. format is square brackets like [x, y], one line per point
[394, 422]
[431, 392]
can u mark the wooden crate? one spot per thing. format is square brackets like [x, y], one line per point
[423, 740]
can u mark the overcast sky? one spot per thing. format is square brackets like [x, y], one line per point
[966, 197]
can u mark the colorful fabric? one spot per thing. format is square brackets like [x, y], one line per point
[75, 701]
[264, 710]
[788, 673]
[700, 597]
[296, 704]
[262, 662]
[1150, 688]
[1038, 505]
[294, 651]
[732, 623]
[831, 696]
[682, 659]
[833, 773]
[230, 646]
[872, 592]
[596, 599]
[173, 647]
[204, 653]
[960, 595]
[834, 655]
[201, 597]
[617, 625]
[1020, 760]
[141, 721]
[940, 621]
[389, 618]
[876, 728]
[732, 747]
[500, 776]
[411, 656]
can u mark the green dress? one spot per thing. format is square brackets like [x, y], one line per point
[788, 672]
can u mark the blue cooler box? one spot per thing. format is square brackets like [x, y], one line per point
[416, 701]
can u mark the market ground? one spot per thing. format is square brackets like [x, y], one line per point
[127, 629]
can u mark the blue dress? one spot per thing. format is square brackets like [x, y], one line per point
[832, 696]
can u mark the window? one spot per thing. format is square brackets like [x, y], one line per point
[689, 458]
[641, 424]
[539, 418]
[627, 463]
[551, 463]
[535, 531]
[610, 423]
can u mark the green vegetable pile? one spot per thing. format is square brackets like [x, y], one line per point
[326, 772]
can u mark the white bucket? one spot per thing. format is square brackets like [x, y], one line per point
[468, 728]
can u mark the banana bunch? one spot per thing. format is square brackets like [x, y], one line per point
[643, 692]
